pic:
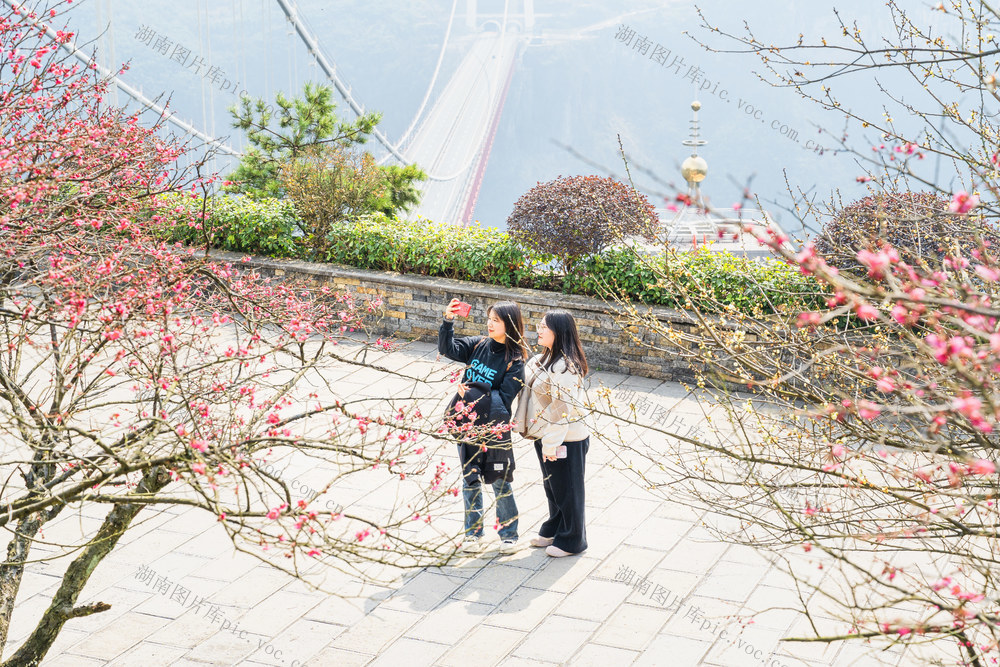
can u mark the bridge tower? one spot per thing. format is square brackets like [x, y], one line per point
[521, 16]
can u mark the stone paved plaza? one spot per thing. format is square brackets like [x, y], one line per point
[518, 609]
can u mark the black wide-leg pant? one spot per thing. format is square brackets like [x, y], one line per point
[563, 482]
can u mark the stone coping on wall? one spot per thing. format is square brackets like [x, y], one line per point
[414, 305]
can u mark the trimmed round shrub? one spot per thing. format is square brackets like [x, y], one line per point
[576, 216]
[917, 224]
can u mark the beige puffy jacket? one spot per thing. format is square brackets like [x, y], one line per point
[561, 397]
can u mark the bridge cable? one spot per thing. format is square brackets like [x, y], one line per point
[136, 95]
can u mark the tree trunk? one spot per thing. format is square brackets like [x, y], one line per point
[63, 607]
[12, 569]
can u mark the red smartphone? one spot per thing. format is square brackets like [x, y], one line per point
[463, 309]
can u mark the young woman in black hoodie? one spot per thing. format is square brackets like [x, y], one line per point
[493, 376]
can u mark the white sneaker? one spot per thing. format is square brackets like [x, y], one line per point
[472, 545]
[541, 541]
[508, 546]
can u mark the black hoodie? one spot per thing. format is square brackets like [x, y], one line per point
[489, 364]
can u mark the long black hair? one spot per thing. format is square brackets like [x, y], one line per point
[565, 344]
[513, 323]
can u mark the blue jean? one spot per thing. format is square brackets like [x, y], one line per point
[506, 509]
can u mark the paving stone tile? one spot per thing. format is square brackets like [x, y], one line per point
[730, 581]
[277, 612]
[339, 657]
[595, 655]
[282, 650]
[631, 627]
[424, 592]
[813, 651]
[672, 651]
[122, 602]
[603, 489]
[299, 642]
[604, 540]
[110, 642]
[773, 608]
[700, 617]
[410, 652]
[338, 610]
[229, 567]
[70, 660]
[859, 655]
[142, 550]
[660, 534]
[527, 556]
[188, 630]
[694, 555]
[149, 653]
[639, 560]
[523, 662]
[593, 600]
[525, 609]
[376, 630]
[64, 642]
[490, 645]
[674, 510]
[450, 621]
[556, 639]
[33, 583]
[251, 588]
[174, 602]
[663, 589]
[626, 513]
[493, 584]
[29, 612]
[226, 648]
[784, 658]
[744, 647]
[562, 574]
[740, 553]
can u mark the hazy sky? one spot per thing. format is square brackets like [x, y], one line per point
[575, 85]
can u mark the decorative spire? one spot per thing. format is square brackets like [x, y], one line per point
[694, 168]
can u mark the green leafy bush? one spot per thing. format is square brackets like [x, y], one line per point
[241, 224]
[712, 281]
[465, 253]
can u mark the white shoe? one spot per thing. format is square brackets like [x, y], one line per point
[556, 552]
[508, 546]
[541, 541]
[472, 545]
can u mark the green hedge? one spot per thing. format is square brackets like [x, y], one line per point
[475, 253]
[481, 254]
[237, 223]
[710, 280]
[491, 256]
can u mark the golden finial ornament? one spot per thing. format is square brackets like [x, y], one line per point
[694, 169]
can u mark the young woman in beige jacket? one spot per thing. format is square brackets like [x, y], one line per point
[556, 378]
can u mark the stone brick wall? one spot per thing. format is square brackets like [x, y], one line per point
[414, 305]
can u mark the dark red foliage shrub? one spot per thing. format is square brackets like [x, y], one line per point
[576, 216]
